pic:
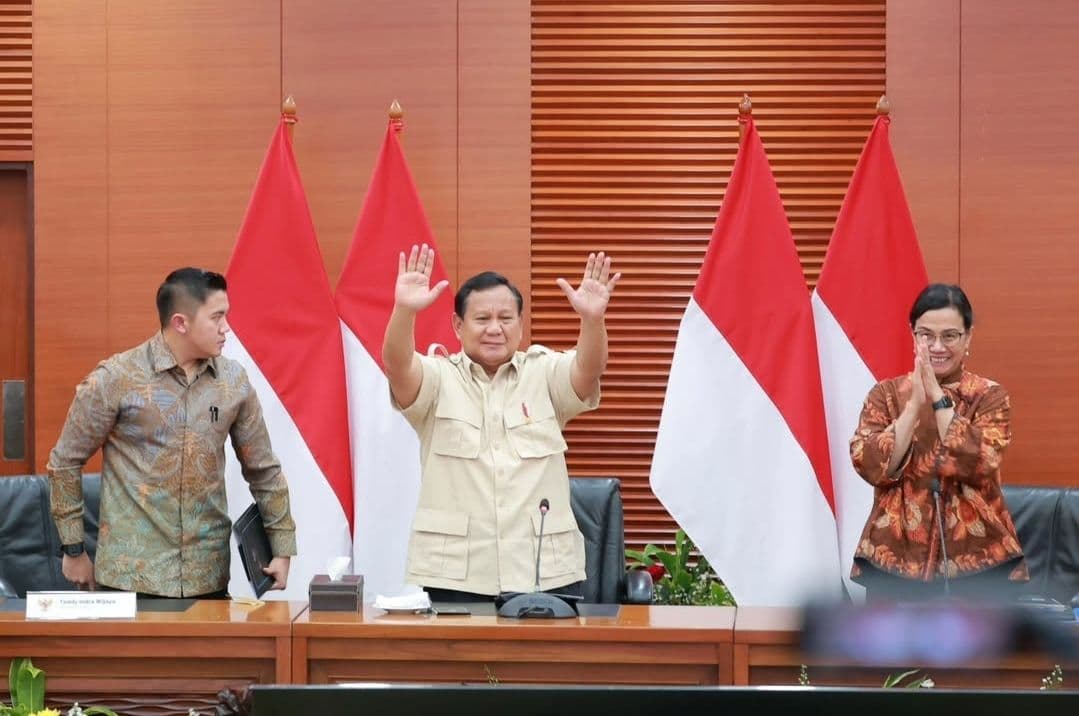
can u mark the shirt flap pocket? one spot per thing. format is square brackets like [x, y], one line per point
[537, 438]
[554, 524]
[441, 522]
[523, 412]
[465, 412]
[457, 430]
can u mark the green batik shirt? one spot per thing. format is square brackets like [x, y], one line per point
[164, 522]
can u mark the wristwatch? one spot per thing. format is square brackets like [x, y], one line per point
[944, 402]
[73, 550]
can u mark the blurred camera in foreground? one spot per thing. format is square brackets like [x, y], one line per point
[942, 633]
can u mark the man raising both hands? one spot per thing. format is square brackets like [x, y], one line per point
[490, 421]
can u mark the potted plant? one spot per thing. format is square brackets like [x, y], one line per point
[26, 683]
[676, 579]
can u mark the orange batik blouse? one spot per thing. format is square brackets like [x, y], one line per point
[901, 536]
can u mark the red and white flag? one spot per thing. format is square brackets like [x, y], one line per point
[385, 450]
[741, 459]
[287, 336]
[872, 273]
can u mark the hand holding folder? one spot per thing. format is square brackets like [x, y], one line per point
[255, 551]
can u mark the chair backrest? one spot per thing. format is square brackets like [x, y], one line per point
[29, 542]
[1035, 511]
[28, 554]
[597, 505]
[1047, 523]
[1064, 569]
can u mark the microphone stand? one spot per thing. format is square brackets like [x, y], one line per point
[935, 487]
[536, 604]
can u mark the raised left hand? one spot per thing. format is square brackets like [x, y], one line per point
[278, 569]
[590, 299]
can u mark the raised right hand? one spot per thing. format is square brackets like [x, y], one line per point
[413, 290]
[917, 383]
[79, 571]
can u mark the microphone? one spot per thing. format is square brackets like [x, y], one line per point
[935, 487]
[537, 604]
[543, 507]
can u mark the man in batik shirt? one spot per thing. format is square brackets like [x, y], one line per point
[160, 413]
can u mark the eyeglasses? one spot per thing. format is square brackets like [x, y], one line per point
[948, 338]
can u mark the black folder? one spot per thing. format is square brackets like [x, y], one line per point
[255, 551]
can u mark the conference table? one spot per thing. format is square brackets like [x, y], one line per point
[177, 656]
[163, 661]
[767, 651]
[631, 644]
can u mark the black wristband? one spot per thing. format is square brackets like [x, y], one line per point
[73, 550]
[944, 402]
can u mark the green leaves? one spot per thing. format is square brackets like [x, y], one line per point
[681, 582]
[893, 681]
[27, 684]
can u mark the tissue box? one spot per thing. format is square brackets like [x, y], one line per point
[344, 595]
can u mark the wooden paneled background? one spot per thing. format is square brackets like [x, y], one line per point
[634, 133]
[153, 119]
[16, 80]
[539, 130]
[985, 99]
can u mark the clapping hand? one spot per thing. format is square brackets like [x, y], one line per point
[925, 388]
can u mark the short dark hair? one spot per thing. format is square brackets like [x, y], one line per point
[942, 295]
[188, 286]
[482, 282]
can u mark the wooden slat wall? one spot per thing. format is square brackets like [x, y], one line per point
[634, 134]
[16, 125]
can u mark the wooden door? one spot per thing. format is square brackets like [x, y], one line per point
[15, 433]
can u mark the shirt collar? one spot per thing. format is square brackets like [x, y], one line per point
[162, 359]
[476, 371]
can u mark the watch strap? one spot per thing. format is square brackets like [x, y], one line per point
[944, 402]
[73, 550]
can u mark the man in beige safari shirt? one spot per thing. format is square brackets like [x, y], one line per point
[490, 424]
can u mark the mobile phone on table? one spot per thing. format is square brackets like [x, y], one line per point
[452, 611]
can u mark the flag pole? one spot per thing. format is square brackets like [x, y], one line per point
[288, 112]
[745, 109]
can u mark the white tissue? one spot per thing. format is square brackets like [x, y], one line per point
[406, 602]
[336, 566]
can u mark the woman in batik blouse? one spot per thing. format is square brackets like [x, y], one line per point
[943, 428]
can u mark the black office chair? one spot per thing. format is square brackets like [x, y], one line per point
[6, 590]
[597, 505]
[29, 543]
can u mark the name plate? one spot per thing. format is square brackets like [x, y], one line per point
[81, 605]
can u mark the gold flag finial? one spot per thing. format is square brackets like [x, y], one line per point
[288, 111]
[397, 115]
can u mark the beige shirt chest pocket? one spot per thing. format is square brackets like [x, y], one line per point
[533, 430]
[457, 431]
[439, 543]
[562, 548]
